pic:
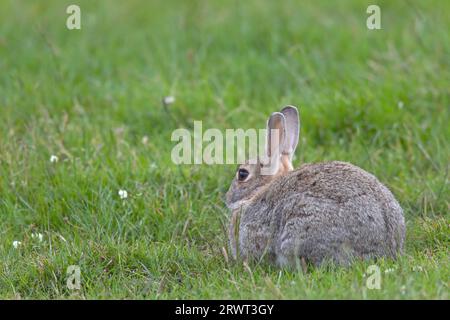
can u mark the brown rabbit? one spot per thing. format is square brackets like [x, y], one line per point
[330, 211]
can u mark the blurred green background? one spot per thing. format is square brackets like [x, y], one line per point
[377, 98]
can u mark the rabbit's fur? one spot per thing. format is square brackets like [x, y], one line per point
[321, 212]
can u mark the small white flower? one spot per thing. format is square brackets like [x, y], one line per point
[54, 159]
[16, 244]
[168, 100]
[403, 289]
[38, 236]
[389, 270]
[418, 268]
[400, 104]
[123, 194]
[144, 140]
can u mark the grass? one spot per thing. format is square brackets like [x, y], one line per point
[379, 99]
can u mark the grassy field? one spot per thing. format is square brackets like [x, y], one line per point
[92, 97]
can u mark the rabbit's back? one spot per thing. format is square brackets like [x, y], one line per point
[326, 211]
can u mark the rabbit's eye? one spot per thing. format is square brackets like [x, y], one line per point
[242, 174]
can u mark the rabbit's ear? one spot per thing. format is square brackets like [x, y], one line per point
[276, 135]
[292, 131]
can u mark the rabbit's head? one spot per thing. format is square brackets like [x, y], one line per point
[254, 176]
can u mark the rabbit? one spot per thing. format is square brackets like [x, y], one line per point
[325, 212]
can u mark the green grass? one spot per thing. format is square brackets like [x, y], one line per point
[379, 99]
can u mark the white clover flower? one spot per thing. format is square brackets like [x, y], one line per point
[16, 244]
[168, 100]
[403, 289]
[37, 236]
[123, 194]
[53, 158]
